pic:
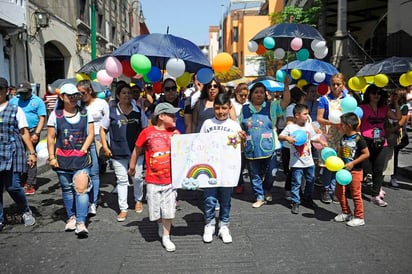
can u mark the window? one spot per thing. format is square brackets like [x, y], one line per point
[235, 34]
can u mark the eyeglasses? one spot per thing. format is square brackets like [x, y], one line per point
[172, 88]
[212, 86]
[74, 96]
[375, 93]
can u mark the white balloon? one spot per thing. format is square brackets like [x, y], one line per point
[41, 145]
[317, 44]
[175, 67]
[334, 116]
[321, 53]
[319, 77]
[252, 46]
[279, 53]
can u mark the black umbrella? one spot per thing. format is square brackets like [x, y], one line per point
[94, 65]
[391, 65]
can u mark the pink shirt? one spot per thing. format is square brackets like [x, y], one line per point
[371, 120]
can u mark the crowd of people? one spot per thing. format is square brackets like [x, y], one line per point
[133, 128]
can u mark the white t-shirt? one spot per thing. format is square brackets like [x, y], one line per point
[237, 106]
[99, 110]
[143, 118]
[20, 116]
[215, 125]
[300, 156]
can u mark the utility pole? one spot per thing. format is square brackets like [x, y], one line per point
[93, 28]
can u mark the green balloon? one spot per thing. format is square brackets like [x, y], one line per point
[302, 55]
[140, 64]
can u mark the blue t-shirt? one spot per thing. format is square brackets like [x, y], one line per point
[33, 108]
[324, 102]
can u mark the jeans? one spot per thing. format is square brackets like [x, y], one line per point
[10, 181]
[76, 204]
[138, 180]
[259, 169]
[120, 169]
[210, 198]
[94, 175]
[356, 192]
[297, 176]
[329, 180]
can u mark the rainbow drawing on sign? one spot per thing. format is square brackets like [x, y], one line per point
[192, 178]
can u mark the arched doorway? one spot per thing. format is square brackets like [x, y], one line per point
[54, 63]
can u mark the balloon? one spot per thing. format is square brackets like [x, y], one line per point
[296, 44]
[154, 75]
[41, 145]
[302, 55]
[296, 74]
[42, 156]
[175, 67]
[357, 83]
[146, 80]
[184, 79]
[409, 76]
[113, 66]
[252, 46]
[334, 116]
[279, 53]
[359, 112]
[157, 87]
[321, 53]
[319, 77]
[222, 62]
[101, 95]
[127, 69]
[82, 76]
[348, 104]
[103, 78]
[334, 163]
[280, 75]
[343, 177]
[327, 152]
[301, 83]
[269, 43]
[321, 137]
[204, 75]
[300, 137]
[317, 44]
[323, 89]
[403, 80]
[140, 64]
[260, 50]
[381, 80]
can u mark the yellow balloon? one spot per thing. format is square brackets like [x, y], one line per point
[301, 83]
[334, 163]
[184, 79]
[296, 74]
[357, 83]
[403, 80]
[409, 76]
[381, 80]
[364, 89]
[369, 79]
[82, 76]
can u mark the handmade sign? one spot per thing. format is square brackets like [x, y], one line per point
[205, 160]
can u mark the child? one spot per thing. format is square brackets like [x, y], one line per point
[353, 151]
[161, 197]
[213, 195]
[301, 160]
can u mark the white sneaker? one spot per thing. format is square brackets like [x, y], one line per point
[160, 229]
[168, 244]
[343, 217]
[224, 233]
[92, 209]
[81, 230]
[208, 233]
[379, 202]
[394, 182]
[355, 222]
[71, 224]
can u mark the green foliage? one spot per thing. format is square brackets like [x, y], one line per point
[298, 15]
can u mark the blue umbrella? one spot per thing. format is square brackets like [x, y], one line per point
[391, 65]
[309, 67]
[271, 85]
[160, 47]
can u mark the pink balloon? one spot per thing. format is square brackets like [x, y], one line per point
[296, 43]
[103, 78]
[113, 67]
[319, 137]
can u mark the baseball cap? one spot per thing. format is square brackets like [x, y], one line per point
[165, 108]
[230, 84]
[23, 87]
[3, 83]
[69, 89]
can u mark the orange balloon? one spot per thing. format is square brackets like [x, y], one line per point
[261, 50]
[222, 62]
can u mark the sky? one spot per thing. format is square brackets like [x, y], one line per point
[189, 19]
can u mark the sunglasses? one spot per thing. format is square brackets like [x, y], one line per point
[212, 86]
[74, 96]
[242, 95]
[172, 88]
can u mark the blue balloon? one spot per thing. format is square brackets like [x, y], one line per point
[204, 75]
[269, 43]
[348, 104]
[343, 177]
[154, 75]
[280, 75]
[359, 112]
[327, 152]
[300, 137]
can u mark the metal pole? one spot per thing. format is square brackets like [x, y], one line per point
[93, 28]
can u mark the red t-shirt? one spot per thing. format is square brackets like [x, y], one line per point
[158, 158]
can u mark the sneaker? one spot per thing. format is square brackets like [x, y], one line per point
[355, 222]
[309, 203]
[367, 181]
[138, 208]
[379, 202]
[343, 217]
[382, 193]
[394, 183]
[81, 230]
[295, 209]
[258, 204]
[29, 189]
[268, 197]
[325, 197]
[224, 233]
[335, 199]
[208, 233]
[92, 209]
[70, 224]
[288, 195]
[217, 207]
[168, 244]
[28, 219]
[122, 216]
[160, 229]
[239, 189]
